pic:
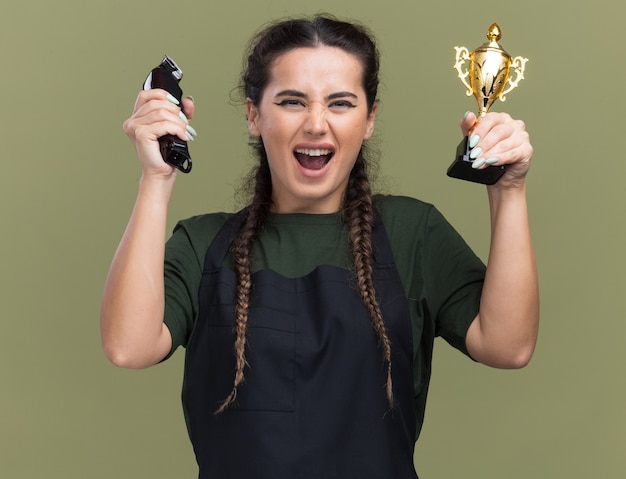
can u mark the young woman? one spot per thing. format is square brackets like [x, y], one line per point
[309, 317]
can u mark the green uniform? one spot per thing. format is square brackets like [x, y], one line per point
[442, 277]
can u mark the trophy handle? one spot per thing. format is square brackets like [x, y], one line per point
[462, 56]
[517, 64]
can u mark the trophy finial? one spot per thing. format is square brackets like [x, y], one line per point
[494, 33]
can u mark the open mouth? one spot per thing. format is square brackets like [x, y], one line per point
[313, 158]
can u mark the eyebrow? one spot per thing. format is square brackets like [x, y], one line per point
[299, 94]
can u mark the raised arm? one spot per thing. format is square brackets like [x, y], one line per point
[131, 319]
[504, 333]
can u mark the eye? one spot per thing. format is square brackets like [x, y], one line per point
[290, 103]
[342, 104]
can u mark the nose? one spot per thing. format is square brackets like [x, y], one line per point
[316, 123]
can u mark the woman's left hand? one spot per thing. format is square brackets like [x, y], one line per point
[500, 140]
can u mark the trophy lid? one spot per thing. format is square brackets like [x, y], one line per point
[493, 35]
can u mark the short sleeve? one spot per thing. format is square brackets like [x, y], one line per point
[184, 261]
[454, 278]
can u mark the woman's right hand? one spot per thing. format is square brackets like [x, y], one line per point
[156, 114]
[131, 318]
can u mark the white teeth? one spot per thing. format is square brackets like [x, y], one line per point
[313, 151]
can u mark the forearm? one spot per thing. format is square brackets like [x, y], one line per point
[132, 328]
[505, 331]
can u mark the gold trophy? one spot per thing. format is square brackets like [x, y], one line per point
[489, 75]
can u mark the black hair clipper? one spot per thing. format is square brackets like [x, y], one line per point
[166, 76]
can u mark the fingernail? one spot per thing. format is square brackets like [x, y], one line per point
[190, 137]
[476, 152]
[171, 98]
[478, 163]
[191, 130]
[191, 98]
[492, 161]
[474, 141]
[466, 113]
[183, 117]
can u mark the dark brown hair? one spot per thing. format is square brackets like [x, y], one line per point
[357, 210]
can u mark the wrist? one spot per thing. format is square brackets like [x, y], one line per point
[512, 191]
[509, 202]
[158, 187]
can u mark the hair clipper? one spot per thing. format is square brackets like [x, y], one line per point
[167, 76]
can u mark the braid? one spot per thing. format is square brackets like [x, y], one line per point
[255, 216]
[359, 216]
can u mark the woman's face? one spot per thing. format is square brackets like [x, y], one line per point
[312, 119]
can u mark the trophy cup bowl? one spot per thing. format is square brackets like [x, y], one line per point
[487, 77]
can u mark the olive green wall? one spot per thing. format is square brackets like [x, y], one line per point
[69, 74]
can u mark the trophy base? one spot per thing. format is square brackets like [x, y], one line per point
[462, 169]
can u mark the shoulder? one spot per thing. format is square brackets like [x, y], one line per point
[192, 236]
[403, 212]
[395, 203]
[203, 224]
[414, 224]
